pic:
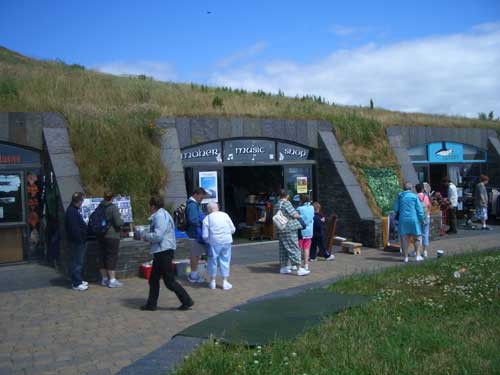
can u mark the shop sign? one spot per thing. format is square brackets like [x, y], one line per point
[445, 152]
[287, 151]
[249, 150]
[17, 155]
[210, 152]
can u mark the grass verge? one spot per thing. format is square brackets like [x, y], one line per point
[422, 320]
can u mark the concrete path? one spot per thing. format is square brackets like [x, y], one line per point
[46, 328]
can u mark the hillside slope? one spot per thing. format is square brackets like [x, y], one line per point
[116, 146]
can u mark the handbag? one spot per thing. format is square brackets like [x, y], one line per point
[279, 219]
[396, 214]
[302, 222]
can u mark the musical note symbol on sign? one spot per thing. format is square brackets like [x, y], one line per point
[230, 157]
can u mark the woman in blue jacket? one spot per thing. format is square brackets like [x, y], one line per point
[306, 212]
[411, 216]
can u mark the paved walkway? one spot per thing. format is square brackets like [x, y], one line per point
[46, 328]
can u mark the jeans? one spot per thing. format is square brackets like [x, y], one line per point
[221, 253]
[452, 218]
[76, 265]
[318, 242]
[163, 267]
[425, 231]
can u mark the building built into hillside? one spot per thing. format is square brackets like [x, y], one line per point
[241, 162]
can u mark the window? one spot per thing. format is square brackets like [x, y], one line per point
[418, 153]
[11, 198]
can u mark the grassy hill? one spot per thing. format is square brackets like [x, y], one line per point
[116, 146]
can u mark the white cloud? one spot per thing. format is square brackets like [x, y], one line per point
[242, 55]
[452, 74]
[161, 71]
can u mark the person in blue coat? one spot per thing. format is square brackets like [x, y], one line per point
[306, 212]
[411, 216]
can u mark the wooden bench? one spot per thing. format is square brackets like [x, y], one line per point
[351, 247]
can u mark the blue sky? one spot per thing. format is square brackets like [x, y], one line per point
[316, 47]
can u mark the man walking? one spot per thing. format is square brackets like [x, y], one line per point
[109, 242]
[481, 201]
[453, 204]
[163, 245]
[194, 218]
[76, 231]
[411, 216]
[218, 231]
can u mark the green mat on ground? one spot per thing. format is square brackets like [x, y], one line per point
[261, 322]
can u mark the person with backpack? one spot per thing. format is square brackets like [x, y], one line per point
[194, 222]
[162, 240]
[76, 231]
[108, 238]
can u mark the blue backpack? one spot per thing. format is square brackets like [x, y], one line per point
[98, 225]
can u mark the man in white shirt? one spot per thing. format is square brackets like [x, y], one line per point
[217, 231]
[452, 208]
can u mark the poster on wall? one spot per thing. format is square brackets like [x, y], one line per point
[123, 203]
[11, 198]
[208, 181]
[301, 185]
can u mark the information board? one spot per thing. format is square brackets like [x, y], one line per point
[123, 203]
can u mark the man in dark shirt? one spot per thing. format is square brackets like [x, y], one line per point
[318, 240]
[76, 232]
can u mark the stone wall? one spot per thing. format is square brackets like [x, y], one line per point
[339, 193]
[494, 161]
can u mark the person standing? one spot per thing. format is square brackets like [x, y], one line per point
[109, 242]
[76, 231]
[426, 204]
[306, 212]
[318, 240]
[194, 218]
[218, 230]
[481, 201]
[289, 250]
[452, 204]
[163, 245]
[411, 216]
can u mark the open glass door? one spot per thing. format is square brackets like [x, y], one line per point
[299, 180]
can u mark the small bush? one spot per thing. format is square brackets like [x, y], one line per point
[8, 88]
[217, 102]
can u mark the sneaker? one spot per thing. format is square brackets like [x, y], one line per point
[81, 287]
[226, 285]
[413, 254]
[212, 284]
[85, 283]
[285, 270]
[148, 308]
[104, 282]
[331, 257]
[485, 228]
[294, 268]
[184, 307]
[306, 267]
[405, 260]
[302, 272]
[312, 259]
[194, 277]
[115, 284]
[419, 258]
[425, 254]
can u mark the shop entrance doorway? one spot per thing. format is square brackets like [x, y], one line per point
[249, 191]
[436, 174]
